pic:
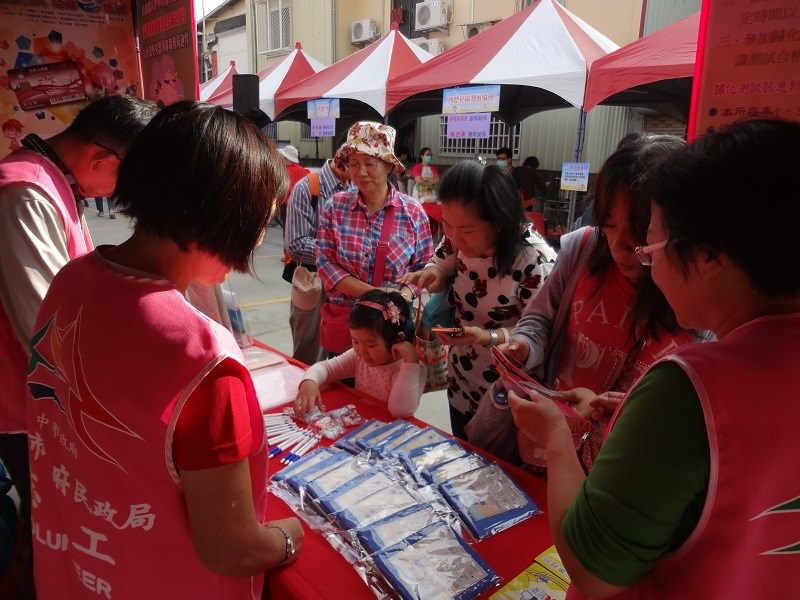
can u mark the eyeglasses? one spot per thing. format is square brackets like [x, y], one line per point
[645, 253]
[368, 167]
[107, 149]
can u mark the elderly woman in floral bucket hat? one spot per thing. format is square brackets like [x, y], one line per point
[368, 237]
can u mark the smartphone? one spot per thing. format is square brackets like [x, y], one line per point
[448, 330]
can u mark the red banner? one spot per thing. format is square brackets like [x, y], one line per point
[168, 46]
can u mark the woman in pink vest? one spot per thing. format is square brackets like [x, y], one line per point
[695, 491]
[148, 457]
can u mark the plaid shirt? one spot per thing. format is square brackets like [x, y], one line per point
[347, 238]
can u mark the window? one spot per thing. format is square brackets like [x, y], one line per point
[461, 148]
[271, 129]
[305, 132]
[273, 25]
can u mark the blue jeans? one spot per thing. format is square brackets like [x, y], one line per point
[99, 203]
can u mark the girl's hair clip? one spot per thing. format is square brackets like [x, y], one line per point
[389, 311]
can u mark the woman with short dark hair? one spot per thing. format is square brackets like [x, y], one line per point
[162, 443]
[695, 493]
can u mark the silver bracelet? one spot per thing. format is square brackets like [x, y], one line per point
[290, 549]
[493, 338]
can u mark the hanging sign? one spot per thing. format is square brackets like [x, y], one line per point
[168, 41]
[323, 108]
[324, 127]
[472, 99]
[746, 65]
[471, 127]
[575, 176]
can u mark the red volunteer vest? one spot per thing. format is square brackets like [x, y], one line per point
[114, 359]
[25, 166]
[747, 542]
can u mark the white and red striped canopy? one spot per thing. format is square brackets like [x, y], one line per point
[655, 71]
[360, 77]
[216, 88]
[540, 55]
[295, 66]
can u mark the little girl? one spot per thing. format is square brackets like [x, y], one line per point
[384, 364]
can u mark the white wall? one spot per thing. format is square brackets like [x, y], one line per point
[232, 45]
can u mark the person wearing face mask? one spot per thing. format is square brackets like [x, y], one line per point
[426, 177]
[497, 262]
[599, 320]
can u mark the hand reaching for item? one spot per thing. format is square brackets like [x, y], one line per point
[429, 278]
[308, 397]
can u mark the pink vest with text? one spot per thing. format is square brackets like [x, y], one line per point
[747, 542]
[25, 166]
[114, 359]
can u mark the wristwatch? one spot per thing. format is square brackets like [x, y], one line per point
[290, 549]
[493, 338]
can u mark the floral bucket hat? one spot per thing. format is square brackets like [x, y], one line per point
[366, 137]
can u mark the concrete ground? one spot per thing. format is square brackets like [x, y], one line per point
[265, 300]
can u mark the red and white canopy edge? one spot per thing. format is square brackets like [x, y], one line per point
[293, 69]
[213, 89]
[540, 56]
[655, 71]
[361, 77]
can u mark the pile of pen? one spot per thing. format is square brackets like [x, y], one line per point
[284, 435]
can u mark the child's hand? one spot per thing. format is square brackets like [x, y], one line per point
[406, 351]
[307, 397]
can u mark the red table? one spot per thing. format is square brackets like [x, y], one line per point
[322, 573]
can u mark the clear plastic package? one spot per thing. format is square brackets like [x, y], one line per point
[379, 437]
[319, 484]
[435, 564]
[301, 478]
[396, 527]
[426, 457]
[389, 447]
[308, 461]
[365, 484]
[447, 470]
[348, 442]
[488, 500]
[376, 506]
[425, 437]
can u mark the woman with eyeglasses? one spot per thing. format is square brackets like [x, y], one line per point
[370, 236]
[695, 493]
[599, 321]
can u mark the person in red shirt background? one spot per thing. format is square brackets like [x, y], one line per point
[296, 173]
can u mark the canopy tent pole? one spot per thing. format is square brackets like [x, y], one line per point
[573, 195]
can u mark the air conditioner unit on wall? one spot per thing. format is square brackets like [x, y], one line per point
[473, 29]
[430, 15]
[433, 46]
[364, 30]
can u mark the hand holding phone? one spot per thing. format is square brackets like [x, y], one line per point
[448, 330]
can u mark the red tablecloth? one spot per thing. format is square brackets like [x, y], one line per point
[322, 573]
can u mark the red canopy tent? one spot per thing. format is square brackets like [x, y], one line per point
[216, 88]
[359, 80]
[295, 66]
[652, 72]
[540, 56]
